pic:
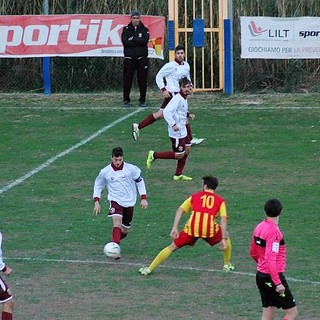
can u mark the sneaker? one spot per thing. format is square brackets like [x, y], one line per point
[144, 271]
[135, 131]
[182, 177]
[142, 104]
[196, 141]
[228, 267]
[150, 158]
[126, 104]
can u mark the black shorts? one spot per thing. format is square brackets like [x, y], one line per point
[269, 296]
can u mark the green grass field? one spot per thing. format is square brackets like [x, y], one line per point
[51, 150]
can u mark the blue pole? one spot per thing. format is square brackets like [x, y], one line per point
[228, 57]
[46, 62]
[46, 75]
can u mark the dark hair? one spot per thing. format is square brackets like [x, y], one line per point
[135, 13]
[211, 182]
[184, 81]
[179, 47]
[117, 152]
[273, 208]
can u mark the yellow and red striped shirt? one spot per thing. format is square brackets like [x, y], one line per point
[206, 206]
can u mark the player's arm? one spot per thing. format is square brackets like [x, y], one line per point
[162, 74]
[99, 185]
[184, 208]
[142, 192]
[169, 111]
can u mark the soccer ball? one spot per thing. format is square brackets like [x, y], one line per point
[112, 250]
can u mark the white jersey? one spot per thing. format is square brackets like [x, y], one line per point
[172, 72]
[2, 264]
[176, 113]
[121, 184]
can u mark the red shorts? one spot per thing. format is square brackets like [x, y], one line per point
[185, 239]
[5, 294]
[125, 213]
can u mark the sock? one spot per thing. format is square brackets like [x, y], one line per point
[6, 316]
[227, 252]
[116, 235]
[189, 134]
[123, 235]
[165, 155]
[180, 165]
[162, 256]
[147, 121]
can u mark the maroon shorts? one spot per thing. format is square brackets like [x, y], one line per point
[178, 145]
[125, 213]
[5, 294]
[185, 239]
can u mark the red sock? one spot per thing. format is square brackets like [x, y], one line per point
[180, 165]
[147, 121]
[164, 155]
[189, 134]
[116, 235]
[6, 316]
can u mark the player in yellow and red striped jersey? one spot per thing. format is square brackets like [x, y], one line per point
[206, 206]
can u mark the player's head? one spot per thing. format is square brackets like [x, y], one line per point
[179, 52]
[135, 17]
[273, 208]
[117, 157]
[210, 182]
[185, 86]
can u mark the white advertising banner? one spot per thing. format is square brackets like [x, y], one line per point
[280, 38]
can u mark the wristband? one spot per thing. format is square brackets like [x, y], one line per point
[4, 269]
[143, 197]
[95, 199]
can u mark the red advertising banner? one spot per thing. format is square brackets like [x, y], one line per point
[77, 35]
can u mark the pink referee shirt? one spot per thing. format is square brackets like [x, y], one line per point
[268, 249]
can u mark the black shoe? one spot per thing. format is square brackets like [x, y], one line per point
[142, 104]
[126, 104]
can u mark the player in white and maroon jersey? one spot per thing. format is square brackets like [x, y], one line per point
[176, 115]
[6, 298]
[268, 250]
[167, 80]
[122, 180]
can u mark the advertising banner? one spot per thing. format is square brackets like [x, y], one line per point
[280, 38]
[83, 35]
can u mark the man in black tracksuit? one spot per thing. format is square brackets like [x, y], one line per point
[135, 38]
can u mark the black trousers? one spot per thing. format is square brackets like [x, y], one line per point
[130, 66]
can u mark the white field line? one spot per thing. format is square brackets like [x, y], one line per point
[131, 264]
[59, 155]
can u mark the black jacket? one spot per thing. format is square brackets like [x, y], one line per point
[135, 41]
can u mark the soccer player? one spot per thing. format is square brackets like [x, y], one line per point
[176, 115]
[268, 250]
[206, 206]
[122, 180]
[6, 298]
[135, 37]
[167, 80]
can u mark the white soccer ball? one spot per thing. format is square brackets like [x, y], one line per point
[112, 250]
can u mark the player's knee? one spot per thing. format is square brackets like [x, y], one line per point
[8, 306]
[179, 156]
[158, 115]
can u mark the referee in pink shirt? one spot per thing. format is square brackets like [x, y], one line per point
[268, 250]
